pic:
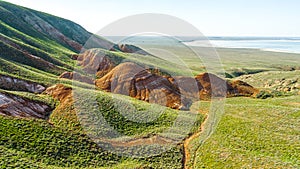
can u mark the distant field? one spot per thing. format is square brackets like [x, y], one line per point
[235, 62]
[249, 61]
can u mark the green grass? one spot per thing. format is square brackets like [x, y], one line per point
[261, 79]
[254, 133]
[39, 141]
[36, 144]
[130, 116]
[33, 41]
[235, 62]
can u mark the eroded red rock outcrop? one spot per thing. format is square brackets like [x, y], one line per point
[95, 62]
[16, 106]
[127, 48]
[176, 92]
[135, 81]
[60, 92]
[189, 86]
[240, 88]
[64, 114]
[211, 85]
[12, 83]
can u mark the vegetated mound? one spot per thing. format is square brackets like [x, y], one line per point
[16, 106]
[280, 81]
[11, 83]
[133, 80]
[46, 42]
[23, 57]
[47, 27]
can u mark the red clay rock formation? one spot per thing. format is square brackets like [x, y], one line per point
[74, 56]
[133, 80]
[60, 92]
[12, 83]
[16, 106]
[218, 87]
[64, 114]
[126, 48]
[95, 62]
[240, 88]
[212, 86]
[189, 86]
[175, 92]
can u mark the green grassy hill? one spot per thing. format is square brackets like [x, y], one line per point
[38, 41]
[254, 133]
[35, 48]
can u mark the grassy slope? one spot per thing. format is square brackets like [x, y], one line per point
[21, 35]
[249, 155]
[254, 134]
[34, 143]
[261, 79]
[245, 136]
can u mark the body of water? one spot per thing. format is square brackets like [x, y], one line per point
[290, 45]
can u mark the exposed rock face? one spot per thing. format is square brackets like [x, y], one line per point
[74, 56]
[76, 76]
[126, 48]
[95, 62]
[189, 87]
[10, 83]
[176, 92]
[64, 114]
[240, 88]
[212, 86]
[60, 92]
[133, 80]
[11, 105]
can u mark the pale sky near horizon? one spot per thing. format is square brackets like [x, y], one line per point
[212, 18]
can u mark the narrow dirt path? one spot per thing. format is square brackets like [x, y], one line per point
[187, 153]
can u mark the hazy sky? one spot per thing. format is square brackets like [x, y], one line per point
[211, 17]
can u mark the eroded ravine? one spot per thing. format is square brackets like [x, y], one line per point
[186, 152]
